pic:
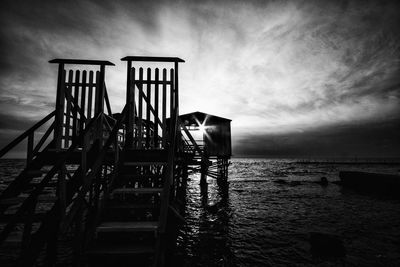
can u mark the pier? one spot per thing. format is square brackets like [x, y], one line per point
[110, 187]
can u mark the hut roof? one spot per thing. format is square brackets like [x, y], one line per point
[197, 117]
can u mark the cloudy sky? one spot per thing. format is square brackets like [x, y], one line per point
[298, 78]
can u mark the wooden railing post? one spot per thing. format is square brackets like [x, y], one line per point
[29, 150]
[58, 129]
[130, 103]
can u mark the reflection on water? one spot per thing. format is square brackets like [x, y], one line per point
[266, 214]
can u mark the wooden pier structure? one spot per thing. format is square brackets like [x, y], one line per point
[109, 188]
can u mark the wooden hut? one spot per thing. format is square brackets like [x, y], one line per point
[216, 132]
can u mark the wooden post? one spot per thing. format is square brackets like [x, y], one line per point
[129, 93]
[156, 95]
[29, 151]
[83, 102]
[90, 97]
[176, 87]
[148, 104]
[172, 97]
[59, 116]
[68, 112]
[140, 113]
[164, 109]
[75, 111]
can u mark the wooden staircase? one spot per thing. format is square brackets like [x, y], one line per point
[130, 220]
[108, 182]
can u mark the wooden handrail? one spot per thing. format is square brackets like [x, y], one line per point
[169, 174]
[17, 140]
[94, 171]
[39, 188]
[197, 148]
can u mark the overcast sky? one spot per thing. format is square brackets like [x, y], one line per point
[297, 78]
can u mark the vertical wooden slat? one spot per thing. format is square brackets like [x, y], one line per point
[176, 91]
[61, 192]
[90, 96]
[164, 109]
[83, 101]
[172, 94]
[148, 104]
[75, 110]
[140, 115]
[129, 126]
[26, 234]
[100, 103]
[156, 95]
[97, 94]
[133, 103]
[67, 136]
[59, 107]
[107, 100]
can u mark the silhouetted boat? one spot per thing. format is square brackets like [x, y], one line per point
[375, 183]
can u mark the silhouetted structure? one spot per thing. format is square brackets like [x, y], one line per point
[115, 183]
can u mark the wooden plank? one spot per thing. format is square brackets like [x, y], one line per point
[142, 190]
[75, 110]
[145, 98]
[154, 59]
[102, 90]
[148, 104]
[148, 82]
[17, 140]
[176, 91]
[90, 97]
[83, 101]
[156, 96]
[141, 226]
[132, 102]
[29, 150]
[122, 249]
[43, 139]
[79, 83]
[68, 111]
[81, 61]
[107, 100]
[140, 115]
[172, 96]
[145, 163]
[59, 106]
[97, 93]
[164, 110]
[129, 126]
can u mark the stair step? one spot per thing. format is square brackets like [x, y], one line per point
[123, 249]
[36, 217]
[145, 155]
[19, 200]
[141, 190]
[144, 163]
[34, 173]
[50, 184]
[139, 226]
[132, 206]
[138, 176]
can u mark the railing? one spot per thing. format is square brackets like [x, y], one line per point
[82, 184]
[31, 150]
[100, 184]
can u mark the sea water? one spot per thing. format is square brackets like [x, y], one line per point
[265, 215]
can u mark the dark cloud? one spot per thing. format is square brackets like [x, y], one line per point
[274, 67]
